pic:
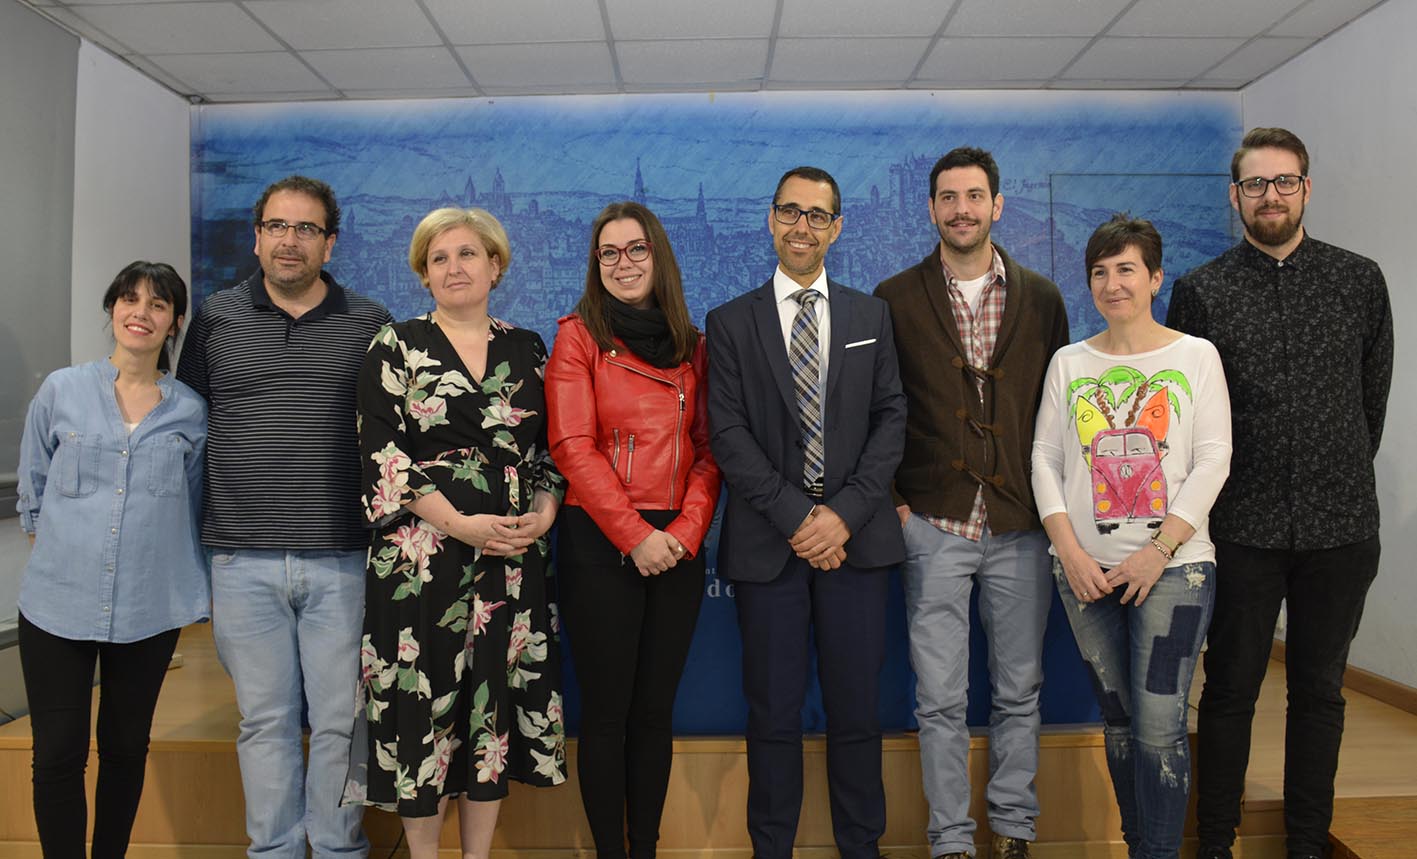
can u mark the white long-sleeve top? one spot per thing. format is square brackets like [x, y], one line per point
[1103, 422]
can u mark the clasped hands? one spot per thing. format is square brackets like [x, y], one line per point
[821, 539]
[1138, 572]
[657, 553]
[504, 536]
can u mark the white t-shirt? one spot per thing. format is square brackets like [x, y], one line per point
[1122, 440]
[972, 289]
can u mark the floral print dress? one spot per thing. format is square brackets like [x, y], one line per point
[460, 686]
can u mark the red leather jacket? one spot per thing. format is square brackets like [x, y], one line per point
[629, 436]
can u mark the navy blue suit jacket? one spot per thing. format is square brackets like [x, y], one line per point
[757, 439]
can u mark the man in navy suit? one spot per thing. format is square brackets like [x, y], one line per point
[808, 425]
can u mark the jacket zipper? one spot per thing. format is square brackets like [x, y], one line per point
[630, 460]
[678, 427]
[615, 454]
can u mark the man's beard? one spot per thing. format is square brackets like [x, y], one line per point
[1274, 233]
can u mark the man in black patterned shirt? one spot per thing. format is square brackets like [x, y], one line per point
[1304, 330]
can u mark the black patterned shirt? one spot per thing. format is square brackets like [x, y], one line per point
[1307, 348]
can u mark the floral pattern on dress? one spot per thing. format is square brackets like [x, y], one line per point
[460, 683]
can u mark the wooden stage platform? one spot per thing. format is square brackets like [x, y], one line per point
[192, 804]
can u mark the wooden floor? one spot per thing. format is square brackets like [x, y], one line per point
[193, 779]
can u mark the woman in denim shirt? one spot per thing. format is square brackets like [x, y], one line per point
[110, 483]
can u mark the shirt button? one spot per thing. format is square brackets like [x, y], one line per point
[120, 490]
[105, 609]
[122, 453]
[113, 530]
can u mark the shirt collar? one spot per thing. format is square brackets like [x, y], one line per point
[109, 373]
[333, 302]
[1297, 258]
[784, 287]
[997, 266]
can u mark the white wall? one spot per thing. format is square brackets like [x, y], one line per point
[1351, 99]
[131, 171]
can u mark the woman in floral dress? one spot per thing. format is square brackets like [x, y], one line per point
[461, 687]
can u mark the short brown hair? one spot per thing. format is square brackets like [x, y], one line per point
[1270, 138]
[1120, 232]
[666, 283]
[488, 229]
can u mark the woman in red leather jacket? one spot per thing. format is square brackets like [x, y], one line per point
[628, 427]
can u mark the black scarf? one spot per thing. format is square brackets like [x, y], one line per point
[645, 332]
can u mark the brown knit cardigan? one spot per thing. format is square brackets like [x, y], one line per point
[953, 442]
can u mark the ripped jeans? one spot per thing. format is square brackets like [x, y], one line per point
[1141, 659]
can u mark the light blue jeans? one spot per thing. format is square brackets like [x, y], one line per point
[288, 623]
[1141, 659]
[1011, 571]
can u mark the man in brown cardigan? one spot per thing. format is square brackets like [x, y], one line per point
[974, 334]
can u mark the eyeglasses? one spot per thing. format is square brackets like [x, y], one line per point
[636, 251]
[816, 218]
[1286, 184]
[275, 228]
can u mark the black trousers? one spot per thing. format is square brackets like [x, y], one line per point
[843, 613]
[1324, 591]
[59, 685]
[630, 636]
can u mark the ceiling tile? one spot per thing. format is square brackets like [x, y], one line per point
[536, 66]
[180, 28]
[658, 19]
[492, 22]
[846, 60]
[705, 63]
[269, 72]
[896, 18]
[1321, 17]
[1238, 18]
[982, 59]
[1257, 58]
[322, 24]
[388, 68]
[1150, 59]
[1031, 18]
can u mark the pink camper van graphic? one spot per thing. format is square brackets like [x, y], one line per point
[1124, 455]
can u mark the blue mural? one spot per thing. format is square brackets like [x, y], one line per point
[707, 165]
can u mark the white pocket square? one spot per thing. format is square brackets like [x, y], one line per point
[859, 343]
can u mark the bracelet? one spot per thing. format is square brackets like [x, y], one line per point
[1166, 541]
[1161, 547]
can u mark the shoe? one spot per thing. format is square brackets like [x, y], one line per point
[1009, 848]
[1214, 853]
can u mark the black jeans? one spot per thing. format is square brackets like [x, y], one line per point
[630, 637]
[1324, 591]
[59, 685]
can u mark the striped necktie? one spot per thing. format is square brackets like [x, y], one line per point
[804, 353]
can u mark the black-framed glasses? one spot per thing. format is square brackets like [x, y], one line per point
[1286, 184]
[275, 228]
[816, 218]
[636, 251]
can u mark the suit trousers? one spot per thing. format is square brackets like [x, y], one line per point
[1324, 591]
[630, 636]
[843, 610]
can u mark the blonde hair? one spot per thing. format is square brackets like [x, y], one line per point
[482, 222]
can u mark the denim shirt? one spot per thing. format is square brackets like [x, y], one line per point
[115, 516]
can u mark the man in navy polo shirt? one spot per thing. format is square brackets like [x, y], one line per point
[276, 357]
